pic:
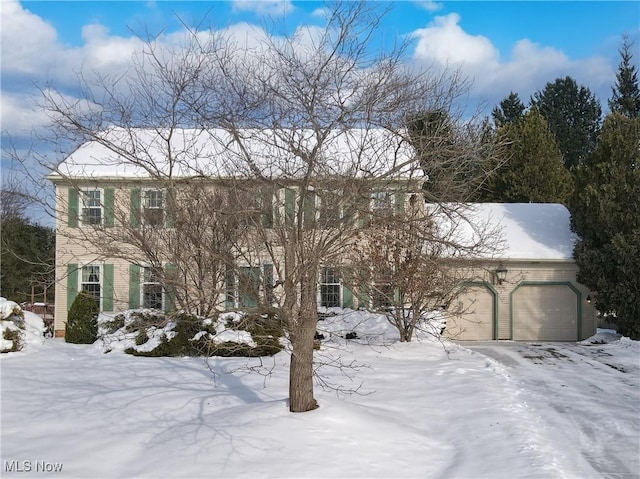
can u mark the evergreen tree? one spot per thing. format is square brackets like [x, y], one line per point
[573, 114]
[82, 322]
[533, 171]
[27, 257]
[625, 97]
[453, 157]
[606, 216]
[510, 110]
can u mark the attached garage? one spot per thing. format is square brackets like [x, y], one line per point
[475, 314]
[528, 289]
[545, 312]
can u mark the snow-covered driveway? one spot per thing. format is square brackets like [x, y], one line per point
[581, 392]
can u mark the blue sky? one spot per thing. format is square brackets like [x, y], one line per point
[578, 28]
[501, 46]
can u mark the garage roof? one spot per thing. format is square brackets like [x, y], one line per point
[533, 231]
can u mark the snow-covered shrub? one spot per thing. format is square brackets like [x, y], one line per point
[11, 338]
[18, 328]
[82, 322]
[152, 333]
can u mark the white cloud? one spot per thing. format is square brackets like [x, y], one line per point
[27, 41]
[429, 5]
[446, 42]
[274, 8]
[19, 114]
[527, 68]
[321, 12]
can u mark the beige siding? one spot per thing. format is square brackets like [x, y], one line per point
[545, 313]
[74, 246]
[533, 271]
[474, 315]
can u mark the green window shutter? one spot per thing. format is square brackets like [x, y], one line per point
[108, 206]
[397, 296]
[267, 209]
[73, 209]
[230, 288]
[72, 283]
[309, 206]
[107, 288]
[363, 299]
[135, 203]
[134, 286]
[267, 272]
[399, 203]
[170, 291]
[363, 211]
[289, 206]
[169, 210]
[347, 297]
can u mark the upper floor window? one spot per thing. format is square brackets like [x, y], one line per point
[91, 207]
[253, 207]
[153, 207]
[330, 208]
[382, 201]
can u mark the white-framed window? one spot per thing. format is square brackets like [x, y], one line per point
[91, 206]
[330, 208]
[382, 201]
[248, 287]
[329, 287]
[151, 289]
[253, 207]
[153, 207]
[91, 281]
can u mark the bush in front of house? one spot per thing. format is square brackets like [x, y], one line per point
[155, 334]
[18, 328]
[12, 320]
[82, 321]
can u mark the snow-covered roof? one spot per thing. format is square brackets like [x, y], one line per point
[183, 153]
[532, 231]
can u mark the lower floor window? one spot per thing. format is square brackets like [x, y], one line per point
[91, 282]
[248, 287]
[383, 294]
[329, 288]
[151, 290]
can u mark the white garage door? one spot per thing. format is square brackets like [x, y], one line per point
[545, 313]
[472, 318]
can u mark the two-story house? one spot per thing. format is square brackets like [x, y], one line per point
[148, 219]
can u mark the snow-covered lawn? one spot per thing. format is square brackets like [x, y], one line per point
[424, 409]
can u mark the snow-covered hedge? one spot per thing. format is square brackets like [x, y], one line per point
[18, 328]
[147, 332]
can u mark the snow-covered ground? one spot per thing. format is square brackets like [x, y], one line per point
[423, 409]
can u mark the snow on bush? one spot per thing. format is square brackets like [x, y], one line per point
[146, 332]
[18, 328]
[612, 338]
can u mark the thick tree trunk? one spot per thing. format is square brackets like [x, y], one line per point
[301, 371]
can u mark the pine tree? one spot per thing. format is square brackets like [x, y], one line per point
[573, 114]
[27, 252]
[625, 97]
[510, 110]
[606, 216]
[534, 171]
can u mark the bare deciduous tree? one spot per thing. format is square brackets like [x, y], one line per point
[308, 127]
